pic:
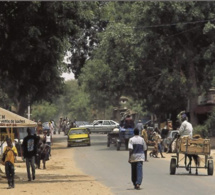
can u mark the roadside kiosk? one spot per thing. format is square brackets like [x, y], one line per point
[10, 125]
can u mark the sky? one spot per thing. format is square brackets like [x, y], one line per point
[65, 75]
[68, 76]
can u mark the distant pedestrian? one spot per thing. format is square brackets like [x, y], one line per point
[51, 128]
[48, 141]
[139, 125]
[29, 147]
[74, 123]
[144, 135]
[9, 153]
[158, 142]
[136, 147]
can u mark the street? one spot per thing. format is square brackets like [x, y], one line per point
[111, 167]
[97, 169]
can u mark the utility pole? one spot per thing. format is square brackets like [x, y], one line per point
[29, 112]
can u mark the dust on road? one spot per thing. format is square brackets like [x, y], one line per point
[61, 176]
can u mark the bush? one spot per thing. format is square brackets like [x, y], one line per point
[201, 130]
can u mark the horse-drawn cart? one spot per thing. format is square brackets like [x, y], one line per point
[124, 137]
[119, 138]
[112, 137]
[192, 148]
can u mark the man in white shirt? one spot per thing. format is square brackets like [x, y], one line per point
[186, 128]
[136, 146]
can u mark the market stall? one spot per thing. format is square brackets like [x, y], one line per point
[10, 124]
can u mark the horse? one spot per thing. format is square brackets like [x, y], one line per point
[196, 159]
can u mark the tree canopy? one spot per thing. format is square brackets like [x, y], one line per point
[34, 39]
[159, 51]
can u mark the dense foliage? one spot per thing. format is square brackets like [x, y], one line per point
[159, 51]
[34, 39]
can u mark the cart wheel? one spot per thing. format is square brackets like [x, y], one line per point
[172, 166]
[118, 146]
[210, 167]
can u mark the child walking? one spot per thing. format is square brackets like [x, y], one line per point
[10, 153]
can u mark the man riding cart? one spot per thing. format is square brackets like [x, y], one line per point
[125, 131]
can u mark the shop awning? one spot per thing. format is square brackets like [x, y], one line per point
[11, 120]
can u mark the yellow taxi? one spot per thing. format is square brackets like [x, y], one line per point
[78, 137]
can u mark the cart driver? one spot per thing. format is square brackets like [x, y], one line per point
[186, 128]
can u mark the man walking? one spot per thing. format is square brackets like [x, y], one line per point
[29, 146]
[10, 152]
[136, 147]
[139, 125]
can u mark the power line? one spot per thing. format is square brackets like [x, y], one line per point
[173, 24]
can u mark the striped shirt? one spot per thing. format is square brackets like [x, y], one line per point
[137, 145]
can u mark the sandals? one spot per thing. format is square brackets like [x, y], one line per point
[137, 187]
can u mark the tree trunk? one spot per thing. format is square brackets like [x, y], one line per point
[22, 105]
[193, 94]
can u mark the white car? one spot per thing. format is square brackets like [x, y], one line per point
[101, 126]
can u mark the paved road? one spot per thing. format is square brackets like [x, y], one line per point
[112, 169]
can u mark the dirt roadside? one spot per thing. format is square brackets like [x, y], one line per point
[61, 177]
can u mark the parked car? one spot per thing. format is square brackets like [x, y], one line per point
[101, 126]
[78, 136]
[168, 140]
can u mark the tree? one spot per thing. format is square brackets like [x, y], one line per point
[73, 103]
[163, 52]
[44, 111]
[34, 39]
[84, 43]
[182, 33]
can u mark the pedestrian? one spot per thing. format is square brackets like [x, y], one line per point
[136, 147]
[29, 147]
[139, 125]
[51, 128]
[74, 123]
[158, 142]
[160, 145]
[48, 141]
[60, 125]
[9, 154]
[154, 152]
[144, 135]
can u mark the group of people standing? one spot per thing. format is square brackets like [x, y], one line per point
[65, 124]
[34, 148]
